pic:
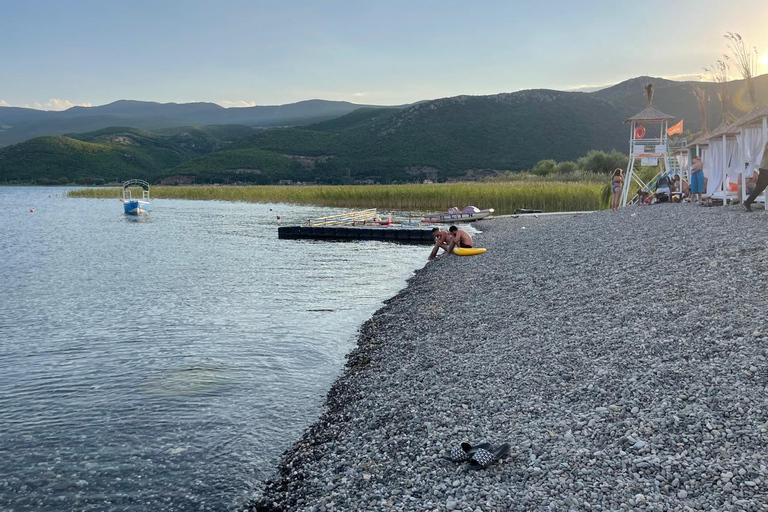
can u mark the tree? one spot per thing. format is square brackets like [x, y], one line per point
[701, 102]
[649, 92]
[566, 167]
[602, 162]
[544, 167]
[744, 58]
[719, 75]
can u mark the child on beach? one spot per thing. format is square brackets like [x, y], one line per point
[617, 182]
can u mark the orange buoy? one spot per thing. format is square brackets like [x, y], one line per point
[640, 132]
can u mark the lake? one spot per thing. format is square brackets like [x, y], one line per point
[165, 363]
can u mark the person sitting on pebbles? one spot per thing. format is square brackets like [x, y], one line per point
[442, 241]
[459, 238]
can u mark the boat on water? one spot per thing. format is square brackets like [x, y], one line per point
[468, 214]
[135, 206]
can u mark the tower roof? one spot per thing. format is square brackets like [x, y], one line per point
[651, 113]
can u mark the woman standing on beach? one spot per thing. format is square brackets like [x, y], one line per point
[617, 182]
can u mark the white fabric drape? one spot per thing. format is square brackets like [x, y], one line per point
[754, 145]
[705, 160]
[714, 166]
[734, 164]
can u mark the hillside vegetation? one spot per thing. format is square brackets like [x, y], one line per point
[111, 155]
[21, 124]
[459, 138]
[64, 159]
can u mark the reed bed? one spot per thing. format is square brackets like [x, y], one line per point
[504, 197]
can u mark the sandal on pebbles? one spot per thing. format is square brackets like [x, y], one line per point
[465, 451]
[482, 458]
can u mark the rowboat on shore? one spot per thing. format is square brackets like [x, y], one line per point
[468, 214]
[135, 206]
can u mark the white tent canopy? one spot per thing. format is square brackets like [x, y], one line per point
[753, 143]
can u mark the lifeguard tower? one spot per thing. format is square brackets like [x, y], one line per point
[649, 143]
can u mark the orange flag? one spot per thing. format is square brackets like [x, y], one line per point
[677, 129]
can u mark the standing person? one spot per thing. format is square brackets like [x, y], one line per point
[442, 240]
[617, 182]
[459, 238]
[762, 181]
[697, 179]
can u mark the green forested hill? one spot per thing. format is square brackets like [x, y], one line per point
[67, 159]
[21, 124]
[111, 154]
[451, 138]
[447, 138]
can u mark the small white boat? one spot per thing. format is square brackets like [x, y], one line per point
[135, 206]
[468, 214]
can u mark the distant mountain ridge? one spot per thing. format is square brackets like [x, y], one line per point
[462, 137]
[20, 124]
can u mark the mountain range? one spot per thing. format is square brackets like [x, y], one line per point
[20, 124]
[462, 137]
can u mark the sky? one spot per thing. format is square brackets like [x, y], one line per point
[56, 54]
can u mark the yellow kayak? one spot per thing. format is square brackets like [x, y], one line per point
[461, 251]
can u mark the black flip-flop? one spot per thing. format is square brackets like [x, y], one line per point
[482, 458]
[466, 451]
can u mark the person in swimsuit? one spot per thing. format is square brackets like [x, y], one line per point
[617, 182]
[442, 240]
[459, 238]
[698, 186]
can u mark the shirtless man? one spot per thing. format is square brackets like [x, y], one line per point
[442, 240]
[459, 238]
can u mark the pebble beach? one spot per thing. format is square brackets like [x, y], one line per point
[622, 355]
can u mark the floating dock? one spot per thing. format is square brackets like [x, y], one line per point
[403, 235]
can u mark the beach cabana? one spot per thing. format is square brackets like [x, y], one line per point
[752, 136]
[724, 166]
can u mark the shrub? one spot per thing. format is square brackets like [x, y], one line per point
[544, 167]
[565, 167]
[602, 162]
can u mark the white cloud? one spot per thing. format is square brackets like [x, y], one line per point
[688, 77]
[241, 103]
[55, 104]
[588, 88]
[4, 104]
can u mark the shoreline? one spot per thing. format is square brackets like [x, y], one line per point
[604, 406]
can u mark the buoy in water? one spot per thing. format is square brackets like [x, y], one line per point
[31, 210]
[279, 217]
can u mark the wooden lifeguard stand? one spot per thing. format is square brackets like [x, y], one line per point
[649, 143]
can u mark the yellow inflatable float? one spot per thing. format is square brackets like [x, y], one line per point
[467, 251]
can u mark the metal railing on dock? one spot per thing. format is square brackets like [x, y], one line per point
[358, 218]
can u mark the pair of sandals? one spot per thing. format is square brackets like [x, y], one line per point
[480, 456]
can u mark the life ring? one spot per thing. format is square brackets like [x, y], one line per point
[640, 132]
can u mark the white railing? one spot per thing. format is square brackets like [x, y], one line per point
[361, 217]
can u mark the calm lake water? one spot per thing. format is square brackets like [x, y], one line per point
[165, 364]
